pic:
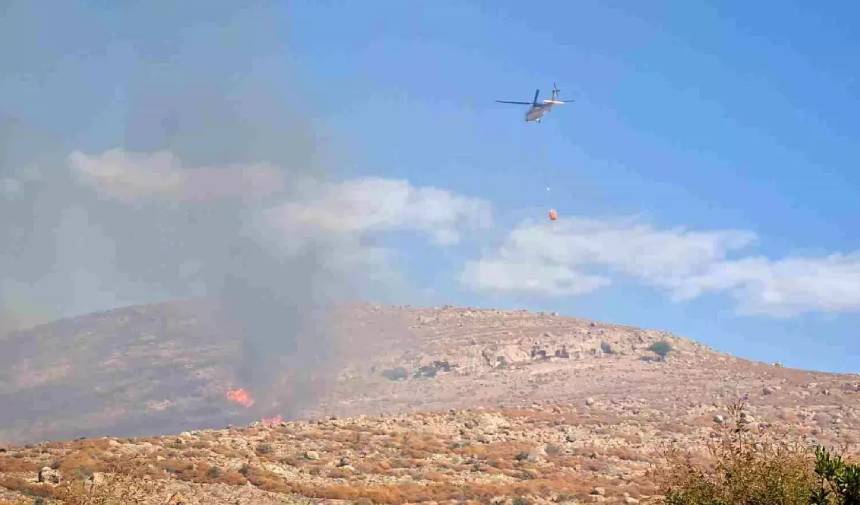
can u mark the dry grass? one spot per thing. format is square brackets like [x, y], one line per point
[26, 487]
[83, 462]
[407, 464]
[494, 451]
[625, 454]
[10, 464]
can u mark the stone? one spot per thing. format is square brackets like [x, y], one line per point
[599, 491]
[49, 476]
[312, 455]
[589, 401]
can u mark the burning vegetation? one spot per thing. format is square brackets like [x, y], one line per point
[240, 396]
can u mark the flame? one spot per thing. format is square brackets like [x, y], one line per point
[241, 397]
[271, 421]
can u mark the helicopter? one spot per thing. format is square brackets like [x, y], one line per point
[538, 109]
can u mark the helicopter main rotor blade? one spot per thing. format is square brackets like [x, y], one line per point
[517, 103]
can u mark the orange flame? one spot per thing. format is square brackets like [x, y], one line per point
[271, 421]
[241, 397]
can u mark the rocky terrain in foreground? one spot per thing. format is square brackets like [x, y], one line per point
[596, 451]
[444, 405]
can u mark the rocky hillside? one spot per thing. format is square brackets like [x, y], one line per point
[442, 405]
[169, 368]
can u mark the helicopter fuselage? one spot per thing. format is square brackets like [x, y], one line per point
[536, 112]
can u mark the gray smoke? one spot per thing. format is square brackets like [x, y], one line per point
[76, 239]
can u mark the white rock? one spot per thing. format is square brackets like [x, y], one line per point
[49, 475]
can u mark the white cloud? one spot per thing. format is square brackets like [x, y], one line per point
[350, 207]
[377, 205]
[784, 287]
[336, 220]
[503, 275]
[128, 177]
[577, 256]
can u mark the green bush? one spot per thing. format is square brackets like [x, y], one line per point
[661, 348]
[756, 467]
[839, 482]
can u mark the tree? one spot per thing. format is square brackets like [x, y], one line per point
[661, 349]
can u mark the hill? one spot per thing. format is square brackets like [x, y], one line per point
[408, 404]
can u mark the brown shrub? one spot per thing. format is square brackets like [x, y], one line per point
[383, 494]
[232, 478]
[28, 488]
[175, 466]
[264, 448]
[373, 467]
[10, 464]
[624, 453]
[338, 473]
[748, 467]
[117, 489]
[436, 476]
[501, 464]
[267, 480]
[228, 452]
[595, 466]
[498, 450]
[412, 493]
[83, 462]
[630, 438]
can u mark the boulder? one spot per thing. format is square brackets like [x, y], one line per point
[49, 476]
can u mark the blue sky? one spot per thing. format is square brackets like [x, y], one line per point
[693, 116]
